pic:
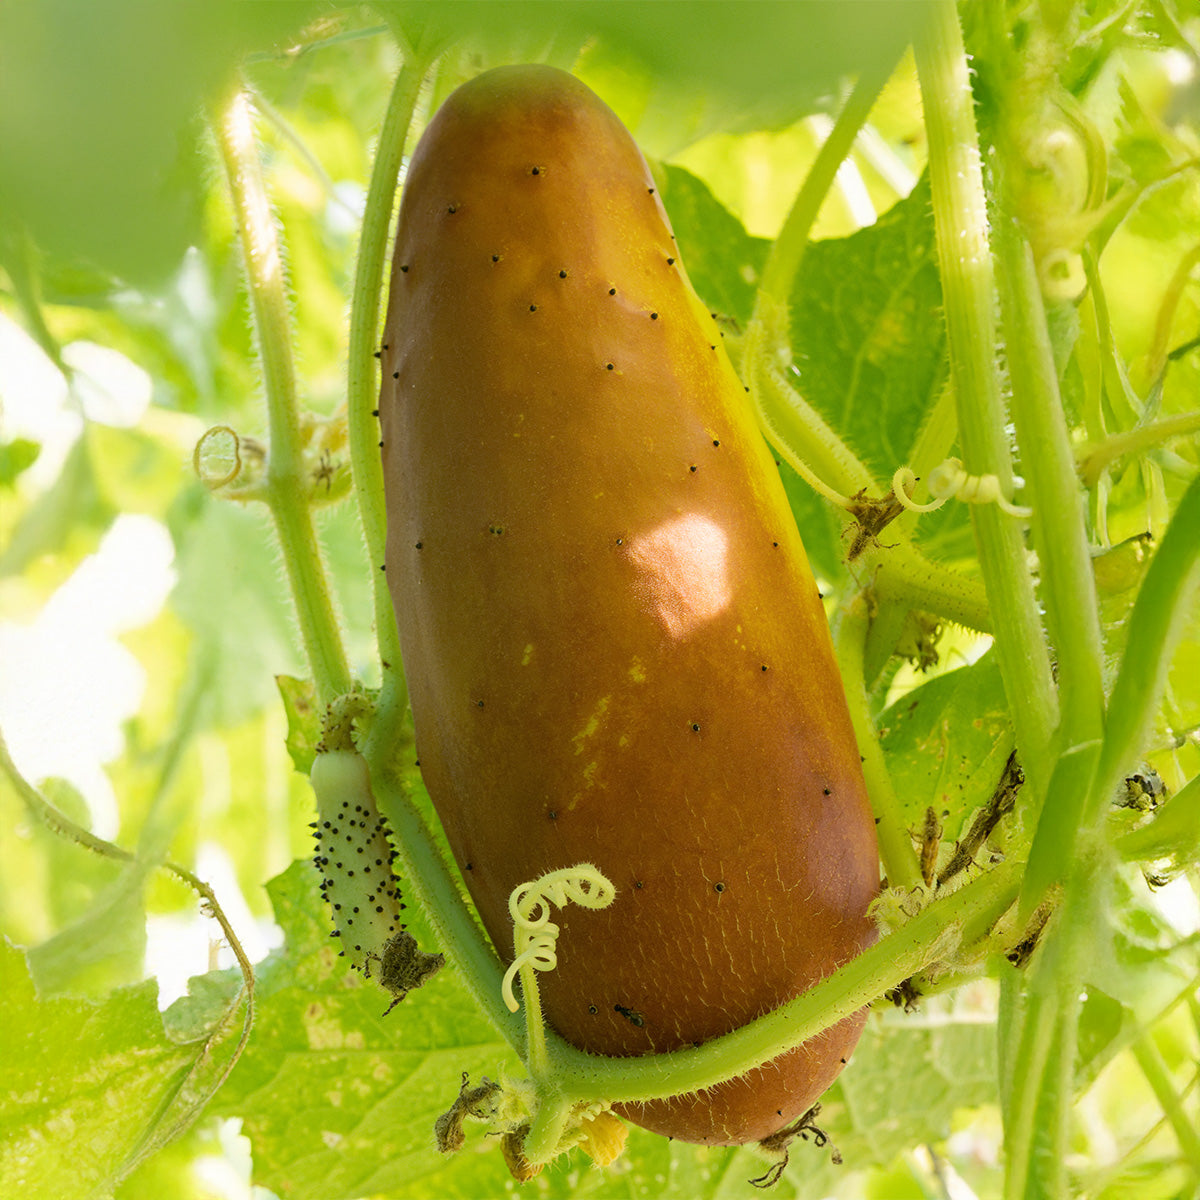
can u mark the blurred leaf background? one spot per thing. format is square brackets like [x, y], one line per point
[143, 625]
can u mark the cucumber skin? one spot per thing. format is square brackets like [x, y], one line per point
[592, 561]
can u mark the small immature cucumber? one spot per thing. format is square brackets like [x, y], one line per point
[614, 644]
[354, 858]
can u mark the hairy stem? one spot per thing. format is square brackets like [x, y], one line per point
[1068, 581]
[1042, 1043]
[931, 936]
[286, 478]
[1139, 440]
[435, 887]
[903, 575]
[362, 384]
[895, 845]
[788, 248]
[535, 1024]
[797, 431]
[960, 219]
[1060, 532]
[549, 1122]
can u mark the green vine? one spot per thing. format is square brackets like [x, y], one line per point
[964, 259]
[362, 379]
[285, 483]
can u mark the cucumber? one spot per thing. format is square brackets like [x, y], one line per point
[615, 647]
[354, 858]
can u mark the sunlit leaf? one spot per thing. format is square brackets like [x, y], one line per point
[82, 1081]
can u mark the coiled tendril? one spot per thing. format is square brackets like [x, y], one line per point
[534, 934]
[948, 481]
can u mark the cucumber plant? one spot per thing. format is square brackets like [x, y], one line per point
[1037, 485]
[456, 247]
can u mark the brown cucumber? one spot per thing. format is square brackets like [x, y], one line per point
[615, 647]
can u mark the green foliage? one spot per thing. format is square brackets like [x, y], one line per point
[115, 229]
[867, 331]
[947, 743]
[83, 1081]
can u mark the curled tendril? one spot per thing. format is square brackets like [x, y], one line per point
[220, 444]
[534, 934]
[948, 481]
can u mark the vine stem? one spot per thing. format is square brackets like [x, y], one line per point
[1070, 842]
[575, 1076]
[362, 383]
[1060, 535]
[1095, 458]
[783, 260]
[287, 485]
[903, 576]
[960, 221]
[1038, 1020]
[932, 936]
[900, 860]
[796, 430]
[1052, 487]
[436, 888]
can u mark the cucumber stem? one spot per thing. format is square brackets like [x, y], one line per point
[960, 221]
[933, 935]
[1052, 486]
[895, 845]
[287, 483]
[362, 384]
[434, 885]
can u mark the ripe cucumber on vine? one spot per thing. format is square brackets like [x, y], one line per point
[612, 644]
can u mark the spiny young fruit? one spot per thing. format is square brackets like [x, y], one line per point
[614, 644]
[354, 858]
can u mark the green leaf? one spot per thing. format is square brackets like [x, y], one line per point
[723, 261]
[15, 457]
[70, 516]
[907, 1080]
[81, 913]
[867, 332]
[338, 1101]
[82, 1082]
[303, 720]
[947, 743]
[105, 946]
[1137, 968]
[229, 594]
